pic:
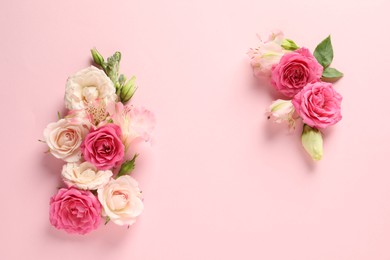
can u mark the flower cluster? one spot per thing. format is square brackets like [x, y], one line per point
[303, 79]
[96, 141]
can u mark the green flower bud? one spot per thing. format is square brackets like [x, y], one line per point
[312, 142]
[289, 45]
[97, 57]
[128, 90]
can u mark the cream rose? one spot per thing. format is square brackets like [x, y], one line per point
[86, 86]
[85, 176]
[64, 138]
[121, 200]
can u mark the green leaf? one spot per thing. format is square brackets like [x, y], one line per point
[107, 220]
[324, 52]
[331, 73]
[289, 45]
[127, 167]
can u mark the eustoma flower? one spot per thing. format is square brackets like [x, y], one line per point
[282, 111]
[267, 54]
[75, 211]
[136, 123]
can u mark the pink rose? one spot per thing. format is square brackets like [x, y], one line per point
[103, 147]
[75, 211]
[294, 71]
[318, 104]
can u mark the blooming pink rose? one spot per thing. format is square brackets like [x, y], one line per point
[294, 71]
[318, 104]
[75, 211]
[103, 147]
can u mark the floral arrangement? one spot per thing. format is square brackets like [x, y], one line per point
[96, 141]
[304, 80]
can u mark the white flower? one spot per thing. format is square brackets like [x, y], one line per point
[86, 86]
[85, 176]
[121, 200]
[267, 54]
[282, 111]
[64, 138]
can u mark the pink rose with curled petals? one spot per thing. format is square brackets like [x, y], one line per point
[294, 71]
[75, 211]
[103, 147]
[318, 104]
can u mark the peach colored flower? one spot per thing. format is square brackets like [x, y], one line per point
[85, 176]
[121, 200]
[64, 139]
[87, 86]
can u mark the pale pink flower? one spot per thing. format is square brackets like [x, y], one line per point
[65, 137]
[85, 176]
[135, 122]
[282, 111]
[267, 54]
[121, 200]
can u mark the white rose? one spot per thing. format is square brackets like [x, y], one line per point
[85, 176]
[121, 200]
[86, 86]
[64, 138]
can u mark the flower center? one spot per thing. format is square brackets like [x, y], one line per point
[90, 94]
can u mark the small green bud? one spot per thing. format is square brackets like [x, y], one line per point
[128, 90]
[289, 45]
[312, 142]
[97, 57]
[122, 79]
[117, 56]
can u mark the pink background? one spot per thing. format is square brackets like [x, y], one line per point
[220, 181]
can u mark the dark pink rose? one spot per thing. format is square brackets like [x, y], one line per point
[103, 147]
[75, 211]
[294, 71]
[318, 104]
